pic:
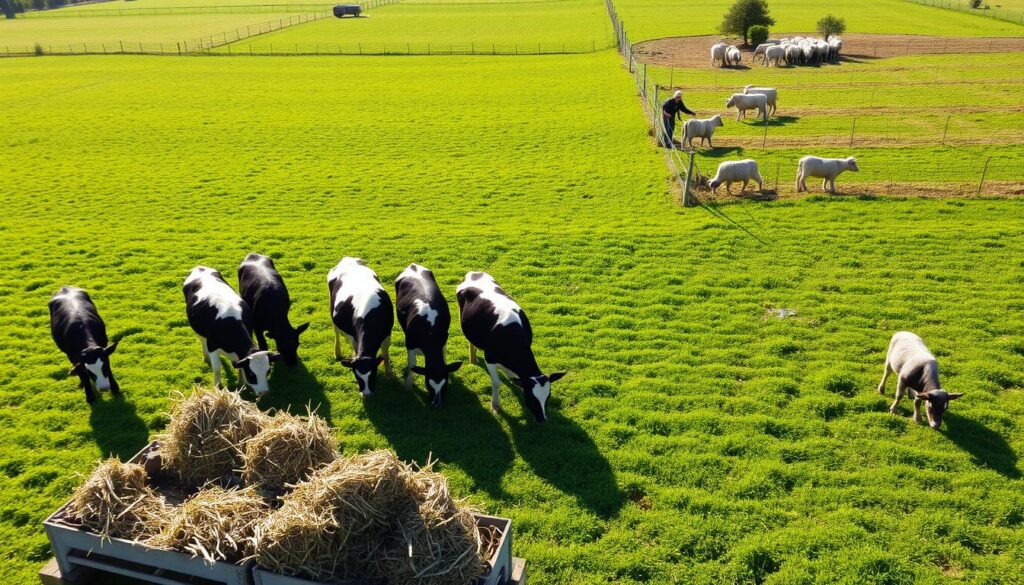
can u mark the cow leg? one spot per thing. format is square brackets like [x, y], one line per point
[900, 389]
[885, 376]
[917, 408]
[337, 344]
[115, 388]
[744, 187]
[832, 186]
[823, 183]
[411, 353]
[206, 352]
[86, 384]
[216, 365]
[261, 341]
[495, 387]
[472, 354]
[385, 351]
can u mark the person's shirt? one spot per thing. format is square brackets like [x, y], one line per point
[673, 108]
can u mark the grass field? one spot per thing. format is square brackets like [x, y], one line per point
[697, 438]
[98, 30]
[576, 23]
[649, 19]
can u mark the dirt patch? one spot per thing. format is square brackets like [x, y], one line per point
[695, 52]
[992, 189]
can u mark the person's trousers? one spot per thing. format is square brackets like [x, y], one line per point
[669, 122]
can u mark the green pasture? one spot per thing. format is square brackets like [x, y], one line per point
[697, 438]
[649, 19]
[183, 4]
[110, 30]
[578, 24]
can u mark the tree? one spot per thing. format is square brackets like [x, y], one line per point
[743, 15]
[831, 25]
[758, 34]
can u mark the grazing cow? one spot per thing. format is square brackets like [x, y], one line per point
[496, 324]
[263, 289]
[424, 317]
[916, 368]
[362, 311]
[223, 322]
[79, 332]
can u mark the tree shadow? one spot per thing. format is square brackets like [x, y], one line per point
[118, 430]
[563, 454]
[462, 433]
[987, 447]
[292, 389]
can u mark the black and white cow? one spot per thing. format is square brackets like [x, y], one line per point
[496, 324]
[361, 311]
[916, 368]
[223, 322]
[80, 333]
[424, 317]
[263, 289]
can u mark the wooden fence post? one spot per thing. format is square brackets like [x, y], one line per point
[944, 130]
[853, 129]
[686, 186]
[984, 171]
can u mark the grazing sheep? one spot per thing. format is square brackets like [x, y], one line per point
[793, 54]
[774, 55]
[769, 92]
[835, 45]
[743, 102]
[702, 129]
[826, 168]
[718, 57]
[733, 56]
[733, 171]
[916, 368]
[808, 52]
[759, 51]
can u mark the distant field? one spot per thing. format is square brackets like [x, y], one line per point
[575, 23]
[181, 4]
[109, 30]
[647, 19]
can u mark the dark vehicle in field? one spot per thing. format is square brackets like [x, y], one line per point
[341, 10]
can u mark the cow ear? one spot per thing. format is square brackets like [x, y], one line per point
[112, 347]
[347, 363]
[241, 363]
[955, 395]
[556, 376]
[273, 355]
[454, 367]
[301, 328]
[74, 368]
[418, 370]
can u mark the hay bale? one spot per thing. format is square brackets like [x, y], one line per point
[117, 502]
[286, 451]
[323, 527]
[216, 524]
[206, 437]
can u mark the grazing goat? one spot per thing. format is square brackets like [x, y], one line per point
[916, 369]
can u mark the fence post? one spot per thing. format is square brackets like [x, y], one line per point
[686, 186]
[140, 48]
[983, 172]
[778, 166]
[944, 130]
[671, 77]
[644, 90]
[122, 46]
[764, 143]
[853, 129]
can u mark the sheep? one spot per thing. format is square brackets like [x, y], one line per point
[835, 45]
[732, 171]
[774, 54]
[759, 51]
[769, 92]
[916, 369]
[733, 55]
[793, 54]
[743, 102]
[826, 168]
[808, 52]
[718, 54]
[703, 129]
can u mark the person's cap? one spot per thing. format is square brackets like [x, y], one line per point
[679, 93]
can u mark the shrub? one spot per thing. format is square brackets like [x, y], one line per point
[831, 25]
[743, 15]
[758, 34]
[975, 4]
[39, 50]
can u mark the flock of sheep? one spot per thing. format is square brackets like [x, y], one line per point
[794, 51]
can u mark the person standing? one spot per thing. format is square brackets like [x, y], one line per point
[671, 111]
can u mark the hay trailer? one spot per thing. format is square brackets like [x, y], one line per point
[80, 556]
[343, 10]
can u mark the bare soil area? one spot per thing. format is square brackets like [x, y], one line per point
[696, 51]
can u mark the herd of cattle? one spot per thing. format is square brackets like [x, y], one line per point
[794, 51]
[361, 312]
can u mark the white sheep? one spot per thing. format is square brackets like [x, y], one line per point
[774, 55]
[769, 92]
[793, 54]
[718, 54]
[835, 44]
[743, 102]
[825, 168]
[703, 129]
[759, 51]
[733, 171]
[733, 55]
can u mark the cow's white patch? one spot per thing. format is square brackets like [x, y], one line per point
[259, 363]
[505, 309]
[364, 383]
[359, 286]
[412, 271]
[216, 292]
[437, 386]
[96, 369]
[542, 392]
[426, 311]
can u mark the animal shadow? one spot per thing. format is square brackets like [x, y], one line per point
[117, 428]
[720, 151]
[773, 121]
[462, 433]
[987, 447]
[292, 389]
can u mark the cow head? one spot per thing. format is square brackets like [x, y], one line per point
[936, 402]
[288, 343]
[437, 380]
[255, 370]
[94, 362]
[851, 163]
[365, 370]
[537, 390]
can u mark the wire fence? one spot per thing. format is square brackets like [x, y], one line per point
[170, 10]
[399, 48]
[997, 13]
